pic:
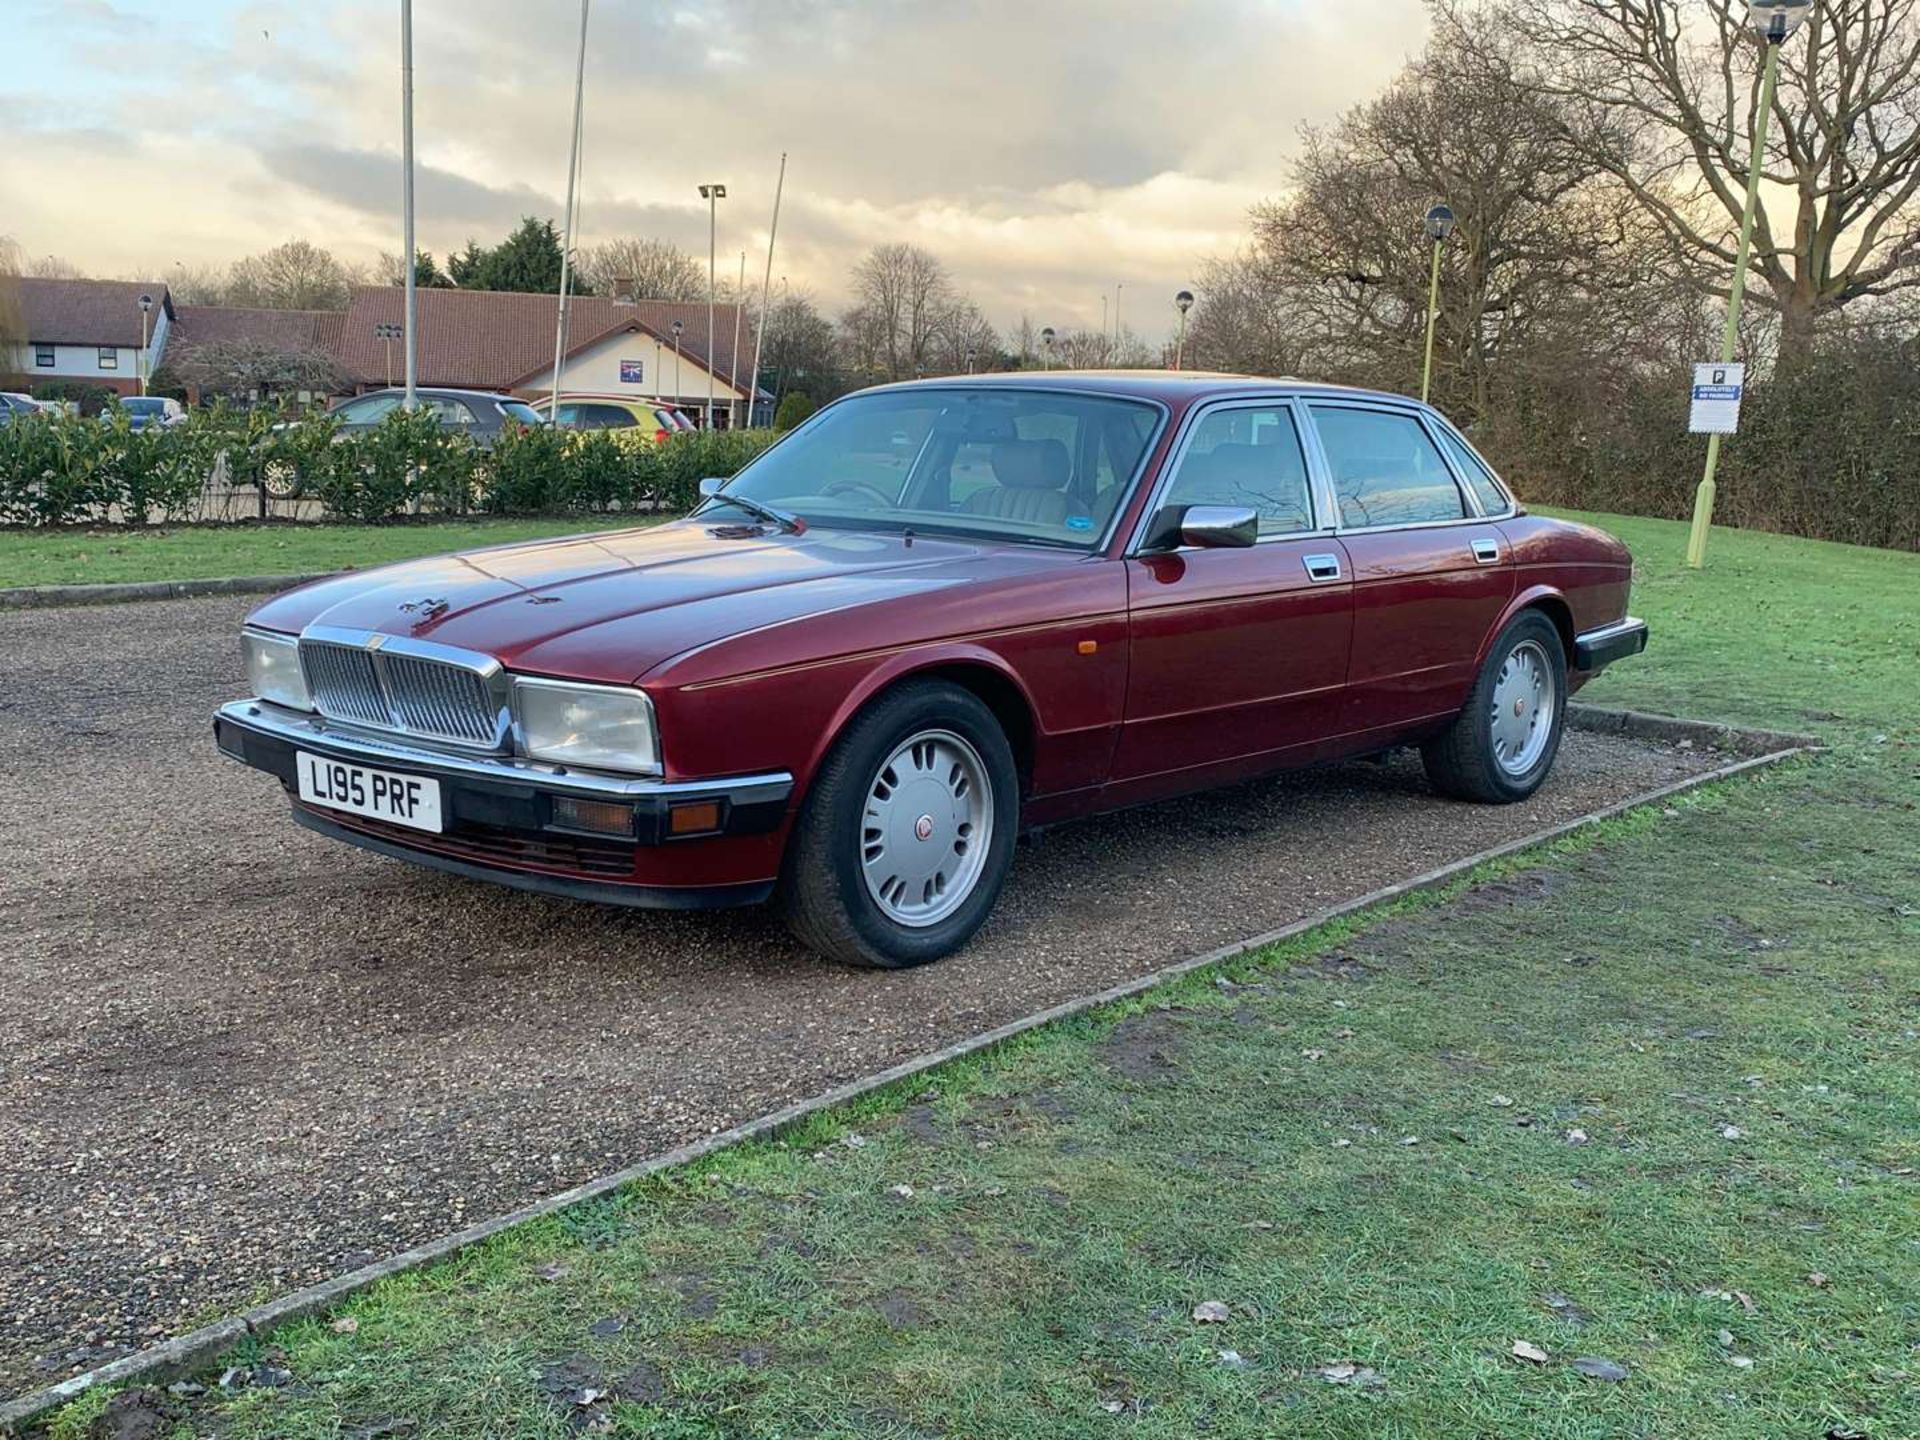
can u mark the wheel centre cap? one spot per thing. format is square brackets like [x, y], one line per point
[1519, 705]
[923, 827]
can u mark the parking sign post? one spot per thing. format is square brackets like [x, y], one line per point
[1775, 20]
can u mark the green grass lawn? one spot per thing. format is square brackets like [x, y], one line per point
[204, 552]
[1651, 1097]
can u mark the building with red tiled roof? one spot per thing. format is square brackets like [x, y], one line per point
[498, 340]
[91, 331]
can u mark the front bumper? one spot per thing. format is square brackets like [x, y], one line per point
[498, 814]
[1594, 650]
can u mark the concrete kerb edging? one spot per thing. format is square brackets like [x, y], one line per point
[40, 596]
[197, 1349]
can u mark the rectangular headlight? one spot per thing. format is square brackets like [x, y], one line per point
[598, 727]
[273, 668]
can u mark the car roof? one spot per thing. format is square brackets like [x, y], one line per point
[1167, 386]
[437, 390]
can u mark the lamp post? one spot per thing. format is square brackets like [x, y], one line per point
[146, 305]
[1774, 20]
[1117, 288]
[969, 357]
[713, 194]
[1046, 348]
[678, 326]
[387, 332]
[410, 278]
[1440, 224]
[1182, 302]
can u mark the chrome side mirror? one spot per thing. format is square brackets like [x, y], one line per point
[1204, 527]
[712, 485]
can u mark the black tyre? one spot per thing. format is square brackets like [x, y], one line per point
[907, 834]
[1501, 746]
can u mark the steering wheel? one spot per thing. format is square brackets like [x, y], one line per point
[842, 487]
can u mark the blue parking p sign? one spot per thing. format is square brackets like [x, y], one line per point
[1716, 399]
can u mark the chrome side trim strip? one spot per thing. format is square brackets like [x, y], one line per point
[1626, 626]
[294, 728]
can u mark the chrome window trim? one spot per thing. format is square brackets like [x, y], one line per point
[381, 749]
[1317, 490]
[378, 644]
[1421, 415]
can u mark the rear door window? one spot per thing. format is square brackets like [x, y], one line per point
[1493, 500]
[1386, 471]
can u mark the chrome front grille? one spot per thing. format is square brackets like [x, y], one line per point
[408, 693]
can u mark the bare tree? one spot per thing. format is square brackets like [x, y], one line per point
[13, 324]
[249, 367]
[1546, 253]
[643, 269]
[1662, 95]
[199, 285]
[297, 275]
[52, 267]
[904, 299]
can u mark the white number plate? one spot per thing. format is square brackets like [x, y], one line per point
[408, 800]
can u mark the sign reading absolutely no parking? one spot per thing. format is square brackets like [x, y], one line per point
[1716, 399]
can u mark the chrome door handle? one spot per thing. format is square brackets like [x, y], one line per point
[1321, 567]
[1487, 552]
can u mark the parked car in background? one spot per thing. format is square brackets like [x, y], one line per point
[479, 414]
[635, 420]
[860, 669]
[143, 411]
[13, 402]
[58, 407]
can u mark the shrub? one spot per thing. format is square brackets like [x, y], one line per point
[796, 407]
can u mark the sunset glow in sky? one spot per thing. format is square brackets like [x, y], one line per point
[1044, 149]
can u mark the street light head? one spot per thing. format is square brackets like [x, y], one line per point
[1183, 302]
[713, 192]
[1440, 223]
[1775, 20]
[1046, 337]
[146, 303]
[678, 326]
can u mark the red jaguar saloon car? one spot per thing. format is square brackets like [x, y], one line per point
[931, 618]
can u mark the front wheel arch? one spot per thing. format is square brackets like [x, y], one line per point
[980, 673]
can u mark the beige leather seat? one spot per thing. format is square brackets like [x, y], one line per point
[1032, 483]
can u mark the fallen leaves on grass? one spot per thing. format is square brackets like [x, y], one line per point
[1576, 1136]
[1526, 1350]
[345, 1325]
[1500, 1102]
[1211, 1312]
[1598, 1367]
[1349, 1372]
[1816, 1279]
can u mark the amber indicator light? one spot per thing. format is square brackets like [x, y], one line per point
[595, 815]
[1088, 647]
[695, 819]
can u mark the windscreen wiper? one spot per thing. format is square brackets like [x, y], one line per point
[792, 524]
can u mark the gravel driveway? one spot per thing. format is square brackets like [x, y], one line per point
[236, 1058]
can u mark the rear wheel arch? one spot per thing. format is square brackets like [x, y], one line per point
[1547, 601]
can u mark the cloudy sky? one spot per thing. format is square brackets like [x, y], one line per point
[1045, 149]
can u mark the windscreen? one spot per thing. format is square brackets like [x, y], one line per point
[1043, 467]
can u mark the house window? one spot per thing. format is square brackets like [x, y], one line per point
[109, 357]
[43, 356]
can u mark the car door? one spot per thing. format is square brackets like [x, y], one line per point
[1236, 653]
[1431, 574]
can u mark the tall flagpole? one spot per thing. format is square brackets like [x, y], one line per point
[766, 291]
[566, 236]
[406, 199]
[733, 360]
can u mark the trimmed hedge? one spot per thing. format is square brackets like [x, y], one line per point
[57, 470]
